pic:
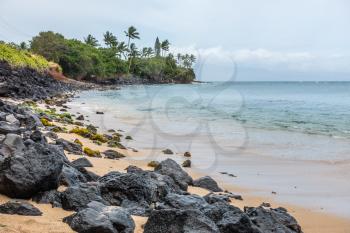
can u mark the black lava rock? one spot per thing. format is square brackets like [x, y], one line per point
[102, 219]
[170, 168]
[208, 183]
[19, 208]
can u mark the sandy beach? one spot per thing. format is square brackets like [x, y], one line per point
[51, 221]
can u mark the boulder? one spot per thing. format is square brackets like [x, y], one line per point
[52, 197]
[35, 169]
[6, 127]
[212, 198]
[3, 116]
[273, 220]
[237, 222]
[80, 118]
[51, 135]
[216, 210]
[12, 119]
[82, 162]
[213, 211]
[100, 218]
[208, 183]
[31, 121]
[71, 176]
[13, 143]
[186, 163]
[179, 221]
[116, 187]
[167, 151]
[170, 168]
[135, 208]
[136, 186]
[72, 147]
[232, 195]
[37, 136]
[112, 154]
[2, 137]
[90, 176]
[187, 154]
[19, 208]
[78, 197]
[183, 202]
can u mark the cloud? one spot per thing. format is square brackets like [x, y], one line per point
[269, 59]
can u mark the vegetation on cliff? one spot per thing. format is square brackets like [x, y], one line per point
[18, 57]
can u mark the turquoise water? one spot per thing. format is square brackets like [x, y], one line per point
[294, 120]
[308, 107]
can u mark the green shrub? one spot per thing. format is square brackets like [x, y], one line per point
[46, 122]
[98, 137]
[92, 153]
[153, 164]
[77, 141]
[81, 131]
[22, 58]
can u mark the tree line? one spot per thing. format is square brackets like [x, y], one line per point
[112, 57]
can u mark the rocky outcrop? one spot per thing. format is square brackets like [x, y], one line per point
[273, 220]
[30, 171]
[82, 162]
[32, 168]
[29, 83]
[71, 147]
[170, 168]
[179, 221]
[100, 218]
[77, 197]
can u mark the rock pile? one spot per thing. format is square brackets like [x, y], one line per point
[30, 167]
[29, 83]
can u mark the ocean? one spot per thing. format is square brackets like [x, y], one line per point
[269, 117]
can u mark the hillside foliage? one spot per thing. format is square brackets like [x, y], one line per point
[88, 58]
[18, 57]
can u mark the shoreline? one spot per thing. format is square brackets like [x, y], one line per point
[317, 184]
[52, 218]
[310, 219]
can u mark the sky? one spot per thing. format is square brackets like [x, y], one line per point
[251, 40]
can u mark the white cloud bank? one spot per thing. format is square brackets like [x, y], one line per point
[271, 60]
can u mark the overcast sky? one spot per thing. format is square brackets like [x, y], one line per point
[261, 40]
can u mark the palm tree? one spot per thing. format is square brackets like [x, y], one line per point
[192, 59]
[133, 50]
[147, 52]
[179, 56]
[23, 45]
[133, 53]
[165, 46]
[186, 60]
[110, 39]
[122, 49]
[90, 40]
[132, 33]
